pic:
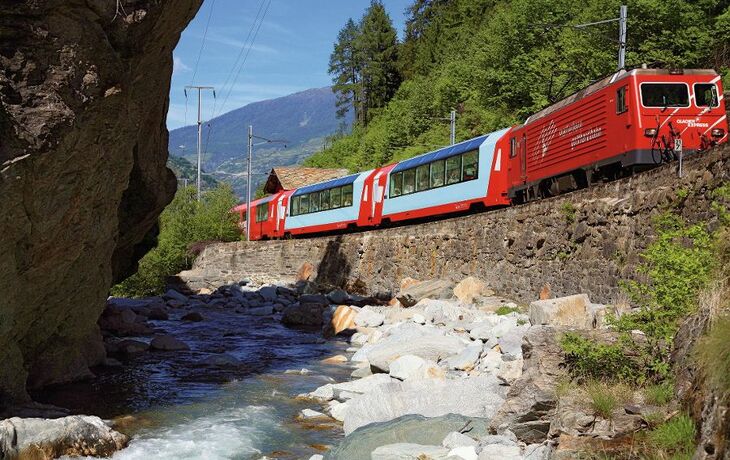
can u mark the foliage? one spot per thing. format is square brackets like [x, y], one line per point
[676, 436]
[713, 355]
[499, 62]
[569, 211]
[660, 394]
[505, 310]
[183, 222]
[589, 359]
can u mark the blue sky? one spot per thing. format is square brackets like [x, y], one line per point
[290, 54]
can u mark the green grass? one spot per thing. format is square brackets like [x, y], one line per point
[569, 212]
[713, 354]
[659, 395]
[605, 398]
[505, 310]
[676, 436]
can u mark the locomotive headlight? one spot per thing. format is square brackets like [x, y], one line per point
[718, 132]
[650, 132]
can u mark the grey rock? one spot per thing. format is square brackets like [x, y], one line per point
[193, 316]
[432, 289]
[269, 293]
[500, 452]
[360, 386]
[537, 452]
[415, 429]
[167, 342]
[361, 372]
[304, 314]
[477, 396]
[511, 342]
[261, 311]
[131, 347]
[221, 360]
[456, 439]
[467, 359]
[408, 451]
[74, 435]
[172, 294]
[571, 311]
[314, 298]
[406, 366]
[431, 347]
[158, 314]
[368, 318]
[338, 296]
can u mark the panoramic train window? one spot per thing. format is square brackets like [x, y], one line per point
[422, 178]
[621, 105]
[453, 170]
[664, 95]
[262, 212]
[437, 173]
[409, 181]
[324, 200]
[459, 168]
[706, 95]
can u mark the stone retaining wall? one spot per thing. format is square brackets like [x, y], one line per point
[585, 241]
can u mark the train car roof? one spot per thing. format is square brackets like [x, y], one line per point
[439, 154]
[610, 79]
[340, 181]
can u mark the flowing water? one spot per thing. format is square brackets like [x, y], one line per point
[183, 409]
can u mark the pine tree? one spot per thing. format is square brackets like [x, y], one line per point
[377, 45]
[345, 67]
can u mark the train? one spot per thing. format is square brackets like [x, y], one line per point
[626, 122]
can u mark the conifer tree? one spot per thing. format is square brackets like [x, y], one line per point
[345, 67]
[377, 45]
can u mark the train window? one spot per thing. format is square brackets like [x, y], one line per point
[422, 173]
[314, 202]
[396, 184]
[513, 148]
[304, 204]
[664, 95]
[262, 212]
[621, 105]
[295, 206]
[324, 197]
[243, 216]
[706, 95]
[471, 165]
[347, 195]
[437, 173]
[409, 181]
[453, 170]
[336, 197]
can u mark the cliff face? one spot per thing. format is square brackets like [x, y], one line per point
[83, 145]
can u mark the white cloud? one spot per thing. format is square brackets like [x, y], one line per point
[178, 66]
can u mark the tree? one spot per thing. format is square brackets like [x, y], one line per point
[377, 45]
[345, 68]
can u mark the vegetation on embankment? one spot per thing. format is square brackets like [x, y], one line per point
[184, 221]
[496, 63]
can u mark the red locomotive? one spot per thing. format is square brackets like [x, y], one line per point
[623, 123]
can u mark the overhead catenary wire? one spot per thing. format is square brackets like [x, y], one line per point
[202, 43]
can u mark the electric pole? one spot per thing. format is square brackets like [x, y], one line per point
[200, 127]
[622, 17]
[264, 140]
[453, 127]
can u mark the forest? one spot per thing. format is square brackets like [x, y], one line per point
[495, 63]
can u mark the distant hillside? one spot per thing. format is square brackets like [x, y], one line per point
[186, 171]
[303, 119]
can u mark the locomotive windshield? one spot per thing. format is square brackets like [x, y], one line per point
[664, 95]
[706, 95]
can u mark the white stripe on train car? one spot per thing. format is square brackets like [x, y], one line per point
[498, 166]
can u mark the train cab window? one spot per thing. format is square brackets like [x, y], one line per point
[621, 105]
[409, 181]
[324, 197]
[262, 212]
[513, 147]
[422, 178]
[295, 206]
[706, 95]
[453, 170]
[437, 173]
[347, 195]
[664, 95]
[396, 184]
[336, 197]
[470, 165]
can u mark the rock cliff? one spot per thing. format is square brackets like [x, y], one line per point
[83, 145]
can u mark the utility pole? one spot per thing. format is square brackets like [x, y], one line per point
[453, 127]
[200, 127]
[623, 15]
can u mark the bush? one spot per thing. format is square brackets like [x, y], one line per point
[184, 222]
[589, 359]
[676, 437]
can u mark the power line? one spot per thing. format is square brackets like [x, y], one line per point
[202, 43]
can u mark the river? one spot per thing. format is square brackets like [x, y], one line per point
[182, 409]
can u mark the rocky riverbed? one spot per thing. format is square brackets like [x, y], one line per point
[436, 371]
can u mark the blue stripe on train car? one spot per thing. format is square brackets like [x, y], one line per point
[331, 216]
[340, 181]
[454, 193]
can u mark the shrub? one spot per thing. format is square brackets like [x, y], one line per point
[505, 310]
[589, 359]
[675, 436]
[184, 221]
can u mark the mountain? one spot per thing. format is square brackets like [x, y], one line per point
[186, 173]
[303, 119]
